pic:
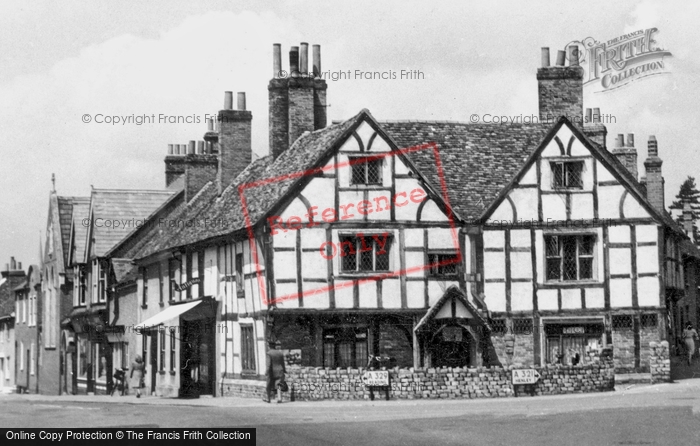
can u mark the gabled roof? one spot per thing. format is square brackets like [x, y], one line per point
[114, 213]
[125, 271]
[452, 293]
[478, 160]
[269, 179]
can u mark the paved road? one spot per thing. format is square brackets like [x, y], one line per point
[640, 415]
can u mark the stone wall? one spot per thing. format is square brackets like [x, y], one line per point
[514, 349]
[394, 343]
[647, 336]
[623, 350]
[660, 362]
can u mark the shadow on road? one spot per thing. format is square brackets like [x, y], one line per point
[680, 369]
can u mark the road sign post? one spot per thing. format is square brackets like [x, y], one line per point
[524, 380]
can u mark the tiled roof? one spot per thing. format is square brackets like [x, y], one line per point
[7, 301]
[226, 211]
[125, 270]
[478, 160]
[107, 207]
[81, 211]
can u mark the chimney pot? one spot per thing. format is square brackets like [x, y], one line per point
[630, 140]
[200, 147]
[241, 100]
[19, 265]
[191, 147]
[596, 115]
[545, 56]
[210, 125]
[561, 57]
[620, 141]
[652, 146]
[170, 149]
[573, 56]
[589, 116]
[316, 60]
[294, 61]
[228, 100]
[13, 264]
[304, 58]
[276, 60]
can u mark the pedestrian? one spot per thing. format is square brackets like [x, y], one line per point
[138, 370]
[275, 370]
[690, 335]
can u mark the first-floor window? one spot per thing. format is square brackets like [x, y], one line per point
[247, 349]
[161, 357]
[443, 264]
[345, 347]
[172, 351]
[569, 257]
[364, 252]
[21, 355]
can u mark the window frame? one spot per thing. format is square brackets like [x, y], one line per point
[561, 256]
[357, 162]
[334, 337]
[161, 354]
[172, 350]
[144, 287]
[357, 242]
[172, 270]
[566, 174]
[435, 266]
[160, 285]
[101, 283]
[248, 360]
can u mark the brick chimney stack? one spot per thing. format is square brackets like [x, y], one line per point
[297, 98]
[174, 164]
[561, 88]
[234, 140]
[654, 179]
[626, 153]
[594, 129]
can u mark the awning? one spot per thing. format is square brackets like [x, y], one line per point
[169, 313]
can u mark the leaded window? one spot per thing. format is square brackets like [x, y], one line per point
[569, 257]
[365, 252]
[567, 174]
[366, 171]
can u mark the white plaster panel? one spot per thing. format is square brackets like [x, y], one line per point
[284, 239]
[520, 238]
[350, 145]
[391, 293]
[553, 207]
[442, 238]
[399, 167]
[435, 292]
[647, 233]
[431, 212]
[287, 295]
[494, 265]
[462, 311]
[603, 173]
[313, 237]
[595, 298]
[648, 291]
[619, 234]
[582, 206]
[647, 259]
[316, 295]
[520, 265]
[415, 294]
[295, 209]
[620, 261]
[343, 168]
[380, 205]
[343, 293]
[547, 299]
[347, 205]
[620, 293]
[521, 296]
[321, 193]
[633, 209]
[525, 203]
[413, 237]
[495, 296]
[415, 261]
[380, 145]
[494, 239]
[365, 132]
[406, 209]
[609, 201]
[503, 213]
[539, 244]
[570, 298]
[368, 294]
[285, 264]
[313, 265]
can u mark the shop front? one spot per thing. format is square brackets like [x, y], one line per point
[567, 339]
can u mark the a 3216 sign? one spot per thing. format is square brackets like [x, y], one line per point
[525, 376]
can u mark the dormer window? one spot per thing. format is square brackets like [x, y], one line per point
[567, 174]
[366, 171]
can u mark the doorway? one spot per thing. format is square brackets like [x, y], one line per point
[197, 358]
[153, 363]
[450, 347]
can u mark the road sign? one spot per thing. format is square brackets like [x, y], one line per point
[525, 376]
[378, 378]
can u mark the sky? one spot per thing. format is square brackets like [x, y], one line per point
[60, 61]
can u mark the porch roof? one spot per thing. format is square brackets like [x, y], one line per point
[452, 295]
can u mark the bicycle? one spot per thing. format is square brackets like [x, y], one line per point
[122, 384]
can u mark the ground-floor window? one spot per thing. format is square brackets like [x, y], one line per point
[248, 349]
[567, 344]
[83, 358]
[101, 361]
[345, 347]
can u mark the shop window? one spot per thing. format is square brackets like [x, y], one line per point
[365, 253]
[649, 320]
[345, 347]
[248, 349]
[498, 327]
[569, 257]
[622, 322]
[443, 265]
[522, 326]
[82, 357]
[101, 362]
[366, 171]
[568, 344]
[567, 174]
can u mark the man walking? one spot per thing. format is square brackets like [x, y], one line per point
[275, 370]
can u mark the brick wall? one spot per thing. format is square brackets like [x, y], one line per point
[561, 93]
[659, 362]
[623, 350]
[234, 144]
[646, 336]
[514, 349]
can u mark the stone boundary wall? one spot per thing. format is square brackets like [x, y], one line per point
[659, 362]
